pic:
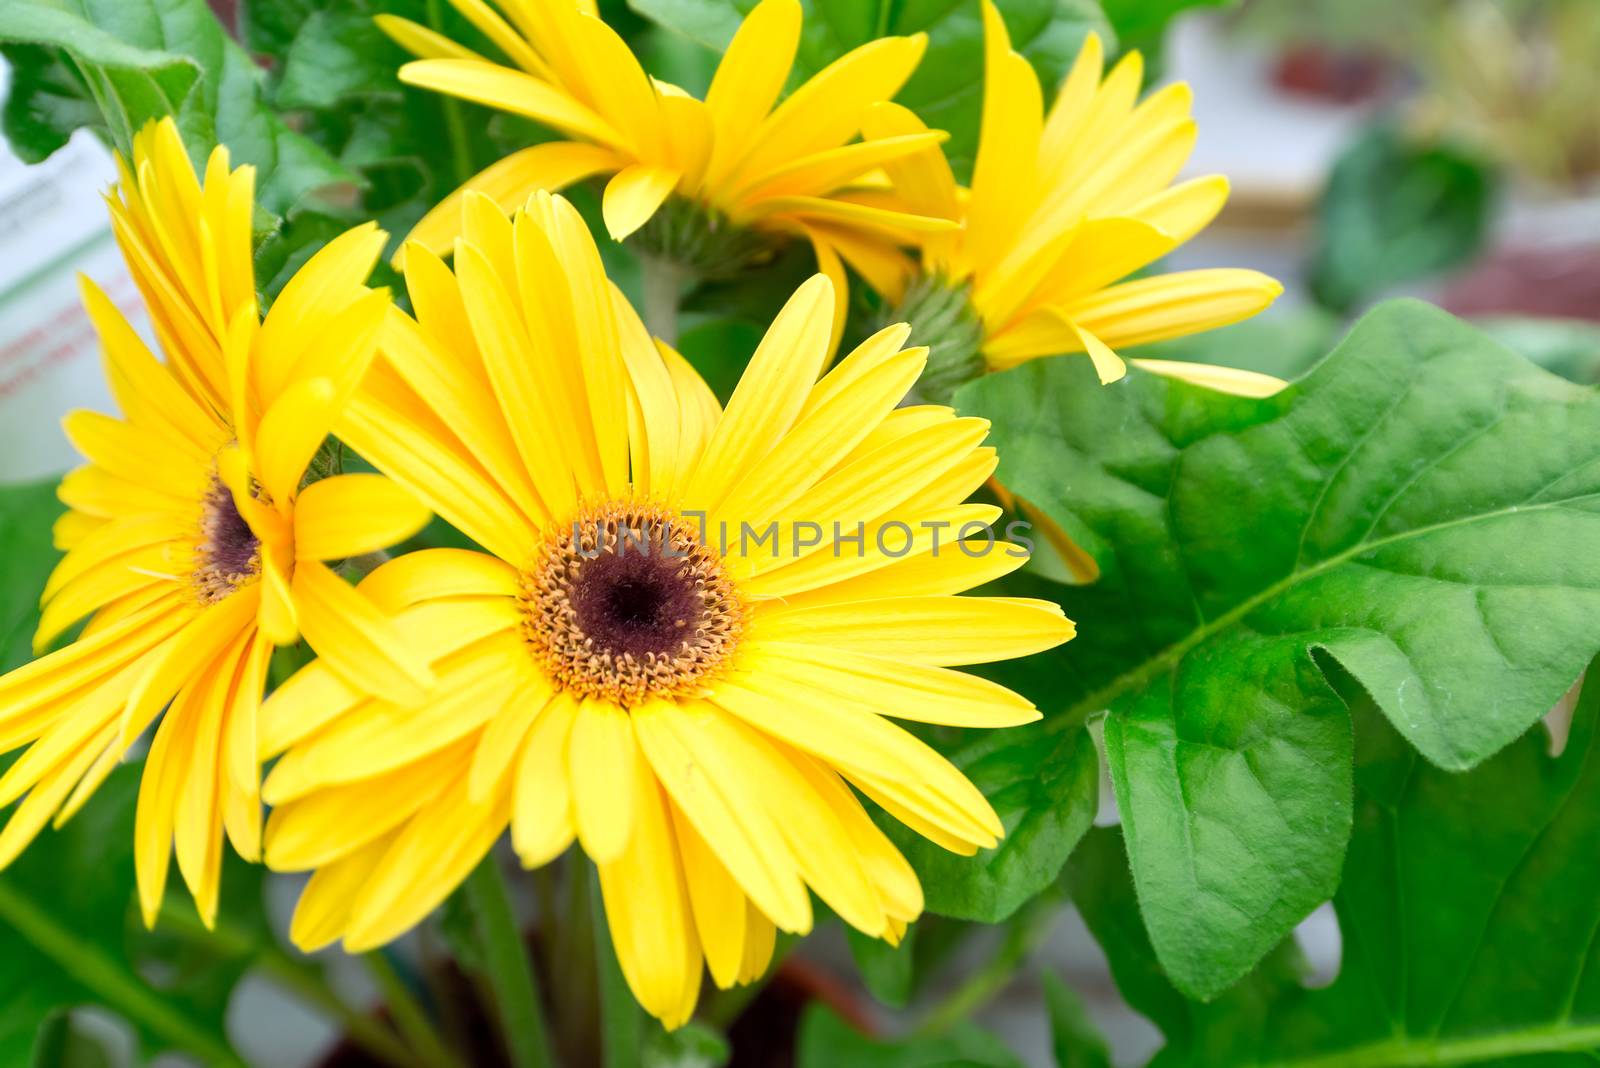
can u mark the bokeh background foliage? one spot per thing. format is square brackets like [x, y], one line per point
[1327, 626]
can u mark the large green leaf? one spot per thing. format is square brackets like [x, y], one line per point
[1467, 908]
[1421, 508]
[141, 59]
[947, 89]
[1044, 785]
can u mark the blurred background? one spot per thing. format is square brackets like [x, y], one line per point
[1447, 149]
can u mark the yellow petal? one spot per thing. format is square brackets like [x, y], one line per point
[354, 638]
[323, 912]
[502, 737]
[448, 375]
[685, 746]
[717, 903]
[895, 688]
[749, 79]
[178, 662]
[428, 860]
[350, 515]
[1234, 380]
[937, 631]
[421, 41]
[551, 166]
[513, 91]
[541, 826]
[434, 573]
[600, 764]
[769, 395]
[633, 195]
[291, 432]
[1172, 305]
[1005, 174]
[647, 907]
[791, 465]
[323, 827]
[827, 110]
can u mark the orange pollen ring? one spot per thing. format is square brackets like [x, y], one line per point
[625, 604]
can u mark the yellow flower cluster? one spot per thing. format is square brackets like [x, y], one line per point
[703, 713]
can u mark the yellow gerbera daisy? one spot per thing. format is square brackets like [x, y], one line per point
[1063, 205]
[739, 160]
[192, 547]
[623, 664]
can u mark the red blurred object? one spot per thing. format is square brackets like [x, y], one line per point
[227, 12]
[1561, 283]
[1329, 74]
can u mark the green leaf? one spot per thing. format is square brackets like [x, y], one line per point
[1142, 24]
[1044, 785]
[141, 59]
[1420, 509]
[38, 119]
[1073, 1037]
[826, 1041]
[694, 1045]
[947, 89]
[1395, 211]
[27, 556]
[889, 972]
[1099, 883]
[334, 56]
[1467, 911]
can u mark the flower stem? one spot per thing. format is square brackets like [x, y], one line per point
[364, 1031]
[662, 282]
[1023, 936]
[294, 976]
[409, 1016]
[111, 981]
[620, 1018]
[510, 972]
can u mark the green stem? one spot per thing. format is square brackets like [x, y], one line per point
[363, 1030]
[1024, 936]
[510, 972]
[620, 1017]
[663, 281]
[410, 1018]
[295, 977]
[455, 127]
[111, 982]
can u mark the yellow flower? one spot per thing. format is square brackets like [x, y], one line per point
[191, 547]
[622, 664]
[741, 158]
[1063, 205]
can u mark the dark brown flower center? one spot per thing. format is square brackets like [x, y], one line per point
[624, 604]
[228, 554]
